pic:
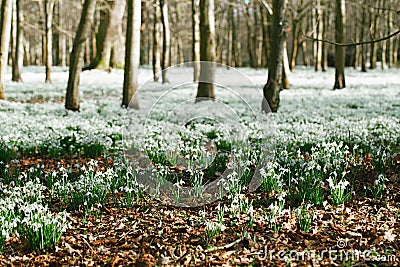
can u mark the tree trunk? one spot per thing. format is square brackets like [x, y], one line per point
[109, 39]
[48, 14]
[156, 42]
[324, 47]
[364, 46]
[238, 43]
[165, 58]
[5, 28]
[340, 50]
[230, 46]
[196, 39]
[285, 68]
[18, 59]
[390, 41]
[251, 48]
[295, 44]
[265, 37]
[117, 37]
[132, 55]
[273, 86]
[374, 30]
[318, 44]
[205, 89]
[76, 57]
[179, 44]
[61, 36]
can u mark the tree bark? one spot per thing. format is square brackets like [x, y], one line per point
[340, 50]
[5, 28]
[251, 47]
[48, 14]
[18, 58]
[390, 41]
[109, 39]
[156, 42]
[364, 46]
[165, 58]
[265, 37]
[62, 40]
[179, 44]
[238, 42]
[324, 47]
[76, 58]
[272, 88]
[132, 55]
[205, 89]
[374, 29]
[230, 46]
[318, 31]
[196, 39]
[285, 68]
[295, 44]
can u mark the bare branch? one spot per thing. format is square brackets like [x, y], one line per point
[352, 44]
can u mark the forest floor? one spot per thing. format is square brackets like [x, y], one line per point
[276, 225]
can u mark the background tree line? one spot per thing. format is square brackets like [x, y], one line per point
[45, 33]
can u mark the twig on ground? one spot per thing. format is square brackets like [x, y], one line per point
[226, 246]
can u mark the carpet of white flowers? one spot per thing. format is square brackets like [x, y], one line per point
[69, 195]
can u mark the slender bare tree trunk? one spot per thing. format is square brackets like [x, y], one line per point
[295, 43]
[62, 39]
[18, 59]
[165, 58]
[273, 86]
[251, 47]
[48, 14]
[374, 30]
[230, 46]
[179, 44]
[357, 27]
[364, 47]
[76, 58]
[238, 38]
[324, 47]
[390, 41]
[117, 58]
[196, 39]
[285, 68]
[318, 44]
[132, 56]
[156, 42]
[5, 28]
[205, 89]
[340, 50]
[265, 37]
[13, 35]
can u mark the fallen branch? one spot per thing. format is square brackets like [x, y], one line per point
[226, 246]
[352, 44]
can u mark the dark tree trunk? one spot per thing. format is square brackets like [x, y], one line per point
[205, 89]
[132, 55]
[165, 58]
[273, 86]
[340, 50]
[76, 58]
[19, 43]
